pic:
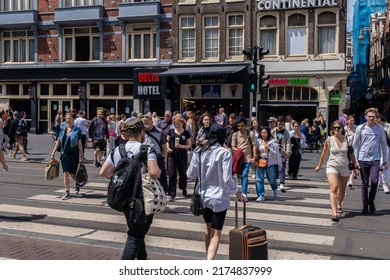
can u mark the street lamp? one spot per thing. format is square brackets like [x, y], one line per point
[361, 33]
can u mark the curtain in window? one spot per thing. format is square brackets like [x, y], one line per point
[188, 43]
[7, 51]
[268, 40]
[296, 41]
[31, 50]
[23, 51]
[326, 40]
[235, 42]
[16, 50]
[211, 43]
[147, 46]
[137, 46]
[68, 49]
[95, 48]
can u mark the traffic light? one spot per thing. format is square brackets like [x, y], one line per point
[263, 85]
[253, 82]
[249, 53]
[262, 52]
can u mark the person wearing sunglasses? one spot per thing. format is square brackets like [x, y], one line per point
[337, 170]
[370, 145]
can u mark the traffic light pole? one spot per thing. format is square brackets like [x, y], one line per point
[257, 78]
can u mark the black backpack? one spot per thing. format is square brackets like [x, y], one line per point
[21, 129]
[125, 182]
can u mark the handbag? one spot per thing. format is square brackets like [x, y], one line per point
[81, 175]
[351, 166]
[52, 170]
[196, 206]
[262, 162]
[155, 200]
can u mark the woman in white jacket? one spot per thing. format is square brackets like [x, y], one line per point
[212, 165]
[267, 148]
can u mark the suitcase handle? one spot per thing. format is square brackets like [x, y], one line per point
[236, 213]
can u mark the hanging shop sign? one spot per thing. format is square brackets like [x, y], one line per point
[335, 97]
[293, 4]
[148, 84]
[371, 73]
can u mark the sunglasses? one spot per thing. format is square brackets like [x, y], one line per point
[336, 127]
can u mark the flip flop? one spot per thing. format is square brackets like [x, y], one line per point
[335, 218]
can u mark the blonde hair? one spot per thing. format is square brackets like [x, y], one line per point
[371, 110]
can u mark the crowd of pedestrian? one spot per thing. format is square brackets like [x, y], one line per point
[190, 145]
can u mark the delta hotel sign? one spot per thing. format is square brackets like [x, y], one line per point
[293, 4]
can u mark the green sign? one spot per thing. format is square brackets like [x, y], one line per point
[335, 98]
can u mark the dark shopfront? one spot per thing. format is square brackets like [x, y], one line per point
[42, 91]
[206, 88]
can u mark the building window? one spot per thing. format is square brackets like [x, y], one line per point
[16, 5]
[111, 89]
[127, 89]
[289, 93]
[235, 33]
[78, 3]
[141, 42]
[326, 28]
[81, 44]
[60, 89]
[186, 2]
[187, 38]
[18, 46]
[94, 89]
[12, 89]
[268, 33]
[210, 38]
[296, 41]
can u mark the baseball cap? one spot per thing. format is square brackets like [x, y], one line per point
[134, 125]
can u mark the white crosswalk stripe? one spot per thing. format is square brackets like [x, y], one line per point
[307, 211]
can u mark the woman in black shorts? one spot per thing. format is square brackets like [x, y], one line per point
[214, 164]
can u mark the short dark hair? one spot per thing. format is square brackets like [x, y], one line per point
[280, 119]
[242, 120]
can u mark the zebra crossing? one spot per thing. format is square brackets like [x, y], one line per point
[87, 219]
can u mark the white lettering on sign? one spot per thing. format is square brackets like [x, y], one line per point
[293, 4]
[149, 90]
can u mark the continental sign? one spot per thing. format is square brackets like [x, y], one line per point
[293, 4]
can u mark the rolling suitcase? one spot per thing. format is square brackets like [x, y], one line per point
[247, 242]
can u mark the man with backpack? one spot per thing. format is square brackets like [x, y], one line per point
[137, 230]
[244, 139]
[155, 138]
[18, 131]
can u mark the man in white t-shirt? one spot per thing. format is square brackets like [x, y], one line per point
[135, 244]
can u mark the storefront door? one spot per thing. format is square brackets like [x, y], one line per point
[63, 105]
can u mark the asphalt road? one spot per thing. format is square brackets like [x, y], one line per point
[298, 222]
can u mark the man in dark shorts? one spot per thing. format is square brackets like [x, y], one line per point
[98, 132]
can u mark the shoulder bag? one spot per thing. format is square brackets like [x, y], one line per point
[196, 206]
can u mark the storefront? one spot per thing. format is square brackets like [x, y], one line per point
[207, 88]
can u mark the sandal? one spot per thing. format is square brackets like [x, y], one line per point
[339, 210]
[335, 218]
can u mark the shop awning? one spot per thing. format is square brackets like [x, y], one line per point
[181, 71]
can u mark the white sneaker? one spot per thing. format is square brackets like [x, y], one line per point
[253, 176]
[282, 189]
[246, 198]
[386, 188]
[65, 196]
[260, 198]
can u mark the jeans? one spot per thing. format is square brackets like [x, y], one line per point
[369, 171]
[271, 178]
[244, 177]
[135, 244]
[282, 175]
